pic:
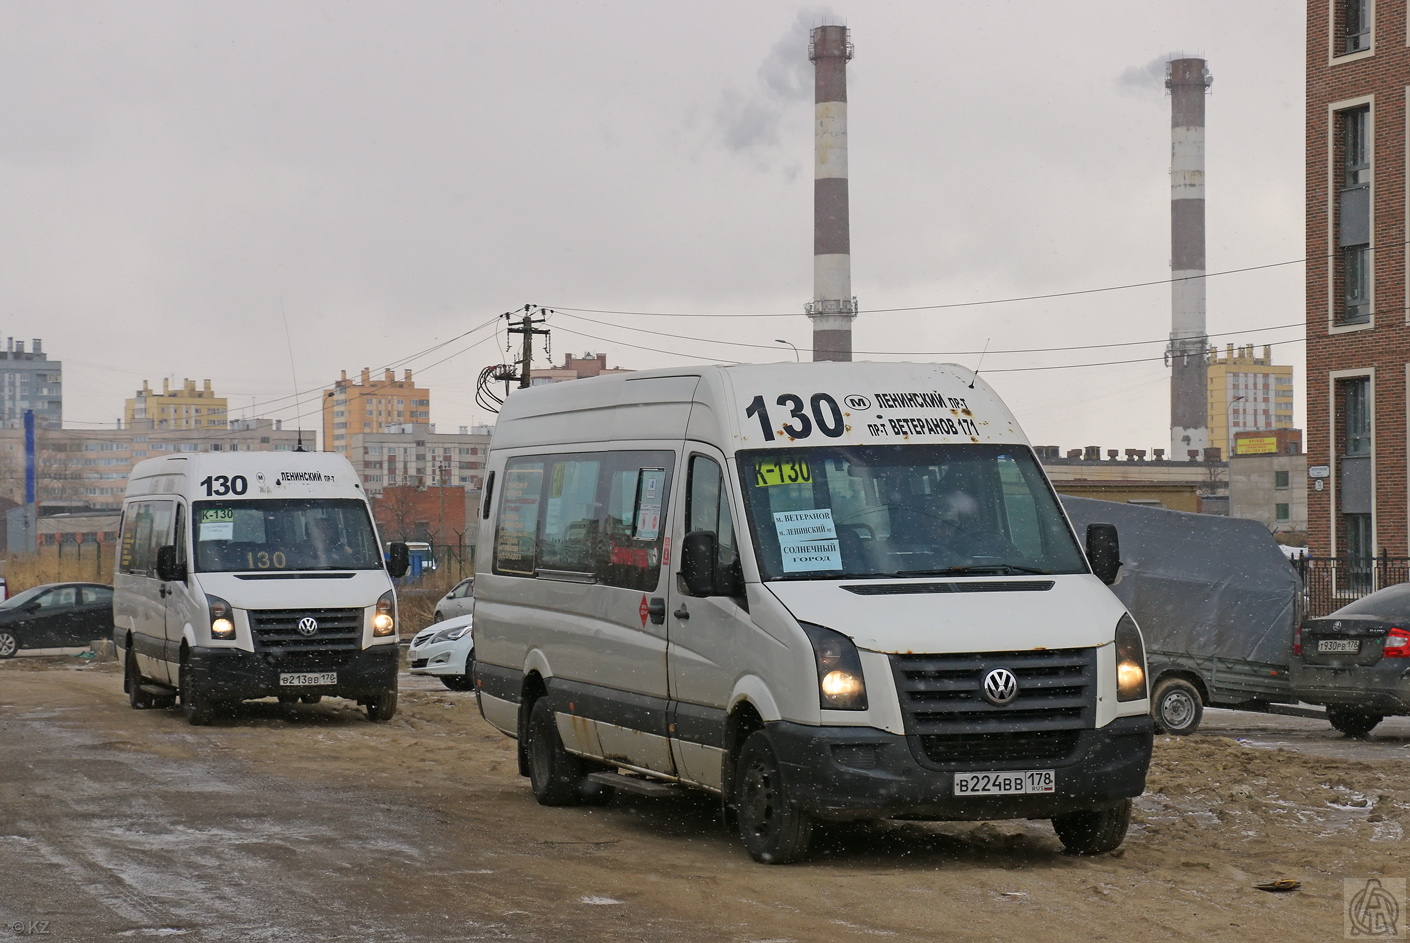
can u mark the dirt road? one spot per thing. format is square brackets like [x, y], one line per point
[311, 823]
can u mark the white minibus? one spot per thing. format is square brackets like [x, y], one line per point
[823, 592]
[253, 574]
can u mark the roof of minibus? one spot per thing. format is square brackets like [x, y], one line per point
[266, 475]
[764, 405]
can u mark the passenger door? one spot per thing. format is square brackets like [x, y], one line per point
[707, 633]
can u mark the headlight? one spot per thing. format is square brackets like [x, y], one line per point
[1130, 661]
[450, 635]
[222, 618]
[840, 683]
[384, 622]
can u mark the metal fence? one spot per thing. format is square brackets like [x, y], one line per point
[1331, 582]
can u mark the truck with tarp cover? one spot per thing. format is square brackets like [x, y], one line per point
[1217, 602]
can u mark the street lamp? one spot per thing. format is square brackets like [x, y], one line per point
[1229, 423]
[795, 349]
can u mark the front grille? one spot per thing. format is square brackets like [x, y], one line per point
[950, 721]
[277, 630]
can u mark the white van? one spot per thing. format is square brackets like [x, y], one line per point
[253, 574]
[822, 591]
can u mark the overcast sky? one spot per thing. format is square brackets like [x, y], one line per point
[180, 181]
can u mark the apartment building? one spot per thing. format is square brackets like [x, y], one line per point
[371, 406]
[414, 454]
[186, 408]
[1247, 392]
[29, 380]
[1358, 335]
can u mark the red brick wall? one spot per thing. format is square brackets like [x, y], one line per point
[436, 515]
[1386, 348]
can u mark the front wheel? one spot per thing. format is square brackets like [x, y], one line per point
[382, 707]
[8, 645]
[1177, 707]
[773, 828]
[1095, 831]
[465, 682]
[132, 684]
[196, 702]
[1351, 722]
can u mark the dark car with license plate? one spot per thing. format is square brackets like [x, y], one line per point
[54, 617]
[1356, 660]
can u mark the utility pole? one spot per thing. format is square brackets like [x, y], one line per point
[528, 329]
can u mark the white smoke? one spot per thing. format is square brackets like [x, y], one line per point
[750, 120]
[1139, 79]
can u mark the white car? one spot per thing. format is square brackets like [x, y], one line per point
[458, 602]
[446, 650]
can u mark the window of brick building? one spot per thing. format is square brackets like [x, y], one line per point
[1352, 146]
[1354, 21]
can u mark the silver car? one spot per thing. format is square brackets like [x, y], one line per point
[460, 601]
[447, 651]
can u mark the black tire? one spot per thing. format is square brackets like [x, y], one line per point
[196, 702]
[1353, 723]
[1095, 831]
[132, 684]
[382, 707]
[465, 682]
[555, 775]
[1177, 707]
[774, 830]
[9, 645]
[437, 617]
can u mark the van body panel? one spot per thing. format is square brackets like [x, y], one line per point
[1073, 611]
[770, 465]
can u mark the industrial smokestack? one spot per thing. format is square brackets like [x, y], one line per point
[833, 308]
[1187, 80]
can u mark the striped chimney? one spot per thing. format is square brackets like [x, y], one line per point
[1187, 80]
[833, 308]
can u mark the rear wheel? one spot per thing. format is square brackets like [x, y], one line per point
[8, 644]
[382, 707]
[773, 828]
[1095, 831]
[1353, 723]
[1177, 707]
[555, 775]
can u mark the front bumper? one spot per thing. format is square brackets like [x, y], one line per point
[440, 658]
[1382, 688]
[233, 674]
[844, 773]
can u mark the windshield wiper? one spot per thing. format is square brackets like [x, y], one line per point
[983, 569]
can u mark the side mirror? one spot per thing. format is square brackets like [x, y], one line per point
[1104, 551]
[398, 559]
[698, 563]
[169, 567]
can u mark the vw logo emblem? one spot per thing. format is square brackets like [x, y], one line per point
[1000, 686]
[308, 625]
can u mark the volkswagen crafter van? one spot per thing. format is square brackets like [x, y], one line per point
[253, 574]
[824, 591]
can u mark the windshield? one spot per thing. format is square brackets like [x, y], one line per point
[327, 534]
[904, 510]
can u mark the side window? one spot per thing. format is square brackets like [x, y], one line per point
[516, 532]
[707, 509]
[598, 516]
[146, 525]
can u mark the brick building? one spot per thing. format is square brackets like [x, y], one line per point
[1358, 341]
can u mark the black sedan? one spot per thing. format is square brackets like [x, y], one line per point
[1356, 660]
[56, 616]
